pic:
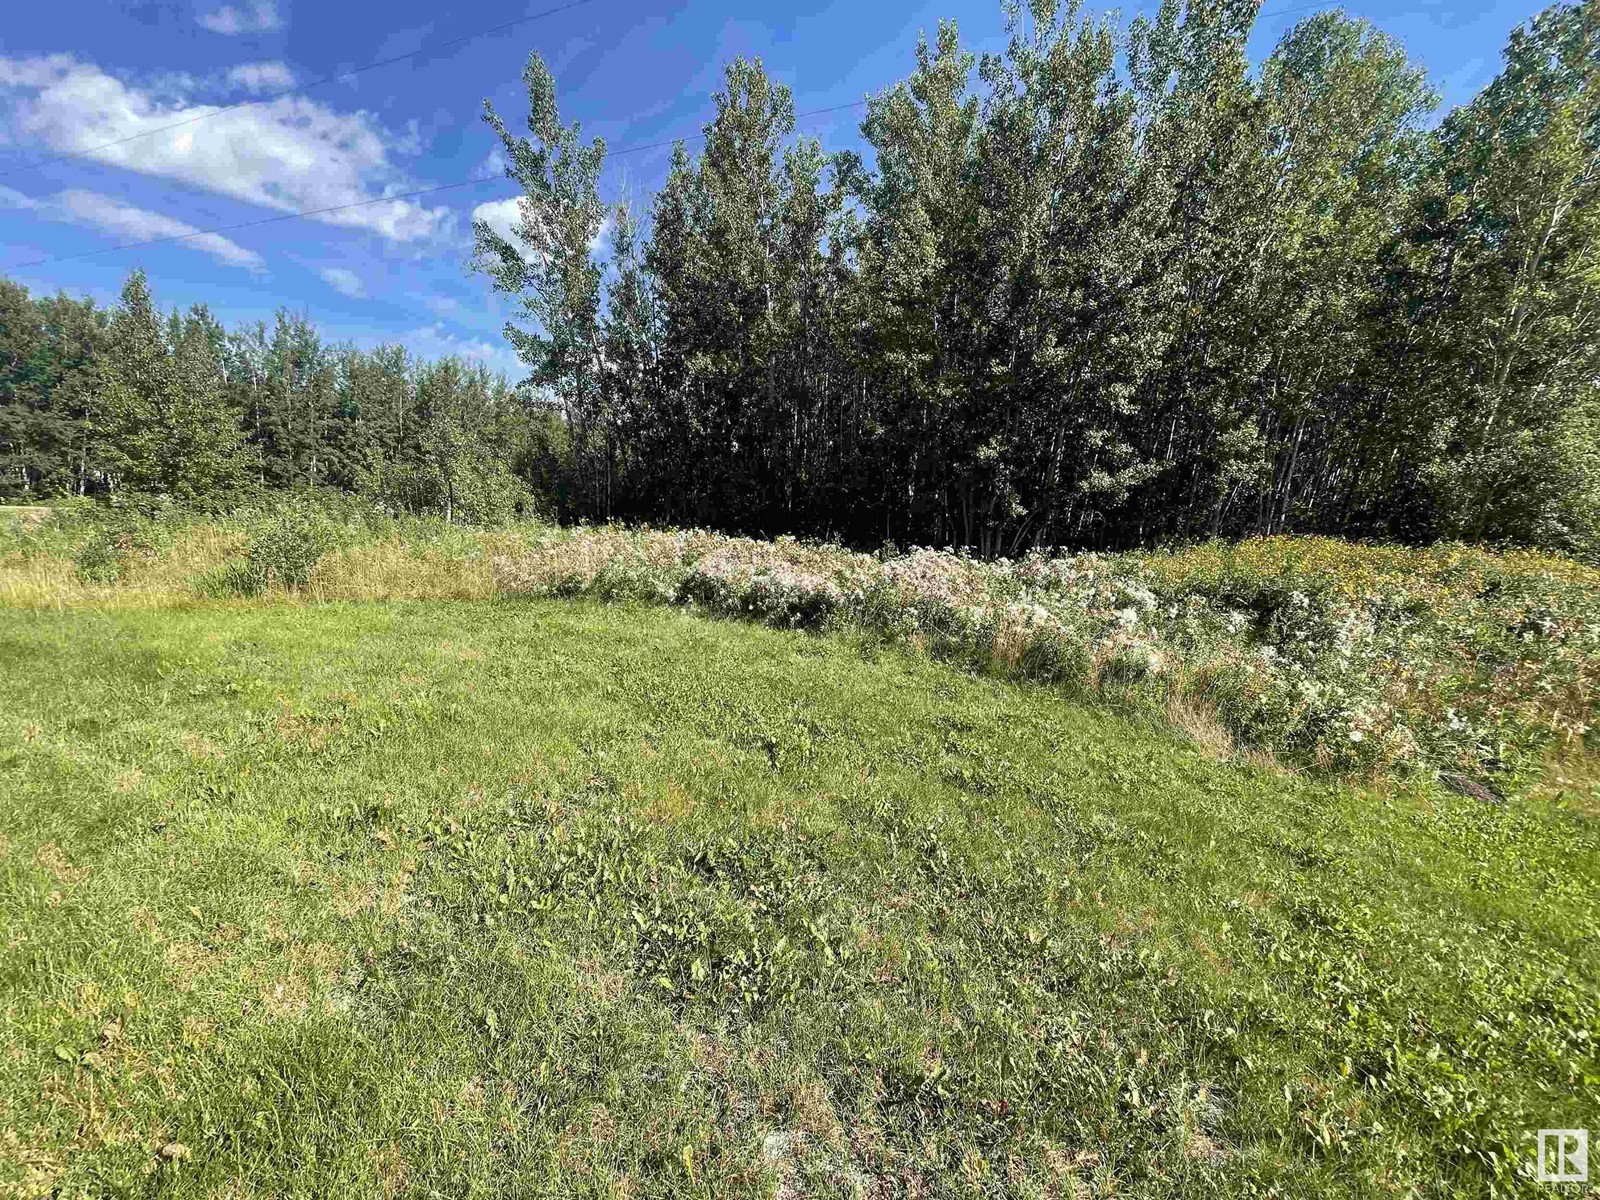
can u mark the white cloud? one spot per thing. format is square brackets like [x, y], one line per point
[346, 282]
[94, 211]
[435, 341]
[504, 216]
[261, 77]
[494, 163]
[439, 306]
[249, 18]
[286, 154]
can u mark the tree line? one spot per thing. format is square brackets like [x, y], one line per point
[1106, 288]
[126, 401]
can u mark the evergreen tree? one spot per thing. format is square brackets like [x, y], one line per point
[162, 425]
[21, 350]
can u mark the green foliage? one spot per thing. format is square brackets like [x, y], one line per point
[1098, 288]
[281, 549]
[1492, 314]
[108, 539]
[103, 557]
[458, 485]
[185, 409]
[161, 424]
[550, 267]
[284, 550]
[1059, 655]
[237, 577]
[1122, 290]
[50, 351]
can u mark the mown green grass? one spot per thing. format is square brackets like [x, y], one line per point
[549, 898]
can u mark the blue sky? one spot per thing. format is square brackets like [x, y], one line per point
[80, 73]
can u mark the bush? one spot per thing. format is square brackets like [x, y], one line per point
[103, 558]
[281, 552]
[286, 550]
[117, 536]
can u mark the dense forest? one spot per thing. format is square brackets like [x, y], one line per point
[100, 403]
[1112, 287]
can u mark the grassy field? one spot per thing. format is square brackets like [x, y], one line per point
[548, 897]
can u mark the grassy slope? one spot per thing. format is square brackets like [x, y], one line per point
[549, 898]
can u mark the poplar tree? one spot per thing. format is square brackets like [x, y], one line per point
[549, 266]
[1510, 246]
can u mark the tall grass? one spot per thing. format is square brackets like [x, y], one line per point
[1327, 654]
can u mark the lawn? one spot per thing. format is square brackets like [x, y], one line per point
[550, 897]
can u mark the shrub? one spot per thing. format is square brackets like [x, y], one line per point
[1054, 655]
[287, 549]
[784, 584]
[281, 552]
[103, 557]
[118, 536]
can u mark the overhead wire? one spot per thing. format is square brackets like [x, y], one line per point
[412, 195]
[476, 181]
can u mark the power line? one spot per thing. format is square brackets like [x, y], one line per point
[298, 88]
[1283, 12]
[67, 155]
[336, 208]
[799, 116]
[1328, 5]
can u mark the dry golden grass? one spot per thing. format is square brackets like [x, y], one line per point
[150, 581]
[1197, 721]
[1011, 639]
[394, 570]
[390, 569]
[54, 583]
[1572, 776]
